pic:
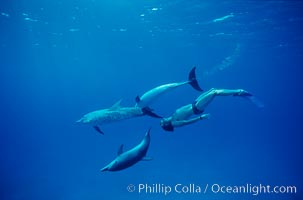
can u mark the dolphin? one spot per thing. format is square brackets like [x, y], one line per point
[150, 96]
[113, 114]
[224, 17]
[130, 157]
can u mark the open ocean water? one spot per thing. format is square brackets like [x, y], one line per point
[62, 59]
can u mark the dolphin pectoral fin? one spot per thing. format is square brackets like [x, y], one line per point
[98, 129]
[148, 111]
[120, 150]
[146, 159]
[137, 99]
[193, 80]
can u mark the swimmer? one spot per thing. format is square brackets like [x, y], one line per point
[181, 116]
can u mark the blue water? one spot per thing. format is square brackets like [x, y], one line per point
[62, 59]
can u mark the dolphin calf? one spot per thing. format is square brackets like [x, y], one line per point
[130, 157]
[113, 114]
[150, 96]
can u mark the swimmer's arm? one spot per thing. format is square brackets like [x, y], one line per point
[190, 121]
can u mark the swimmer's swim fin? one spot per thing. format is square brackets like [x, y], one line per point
[243, 93]
[193, 80]
[255, 101]
[251, 98]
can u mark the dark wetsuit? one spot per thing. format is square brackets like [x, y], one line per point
[168, 127]
[196, 110]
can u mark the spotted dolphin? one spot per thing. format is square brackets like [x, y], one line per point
[150, 96]
[130, 157]
[113, 114]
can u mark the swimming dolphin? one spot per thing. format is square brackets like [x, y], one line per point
[148, 97]
[113, 114]
[130, 157]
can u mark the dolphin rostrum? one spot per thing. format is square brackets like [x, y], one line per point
[130, 157]
[113, 114]
[148, 97]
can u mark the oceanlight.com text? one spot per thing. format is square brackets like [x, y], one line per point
[253, 189]
[193, 188]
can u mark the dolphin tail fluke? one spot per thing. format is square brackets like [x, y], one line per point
[148, 111]
[193, 80]
[97, 128]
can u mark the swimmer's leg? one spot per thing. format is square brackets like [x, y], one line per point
[204, 99]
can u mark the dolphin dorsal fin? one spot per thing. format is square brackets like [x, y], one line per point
[137, 99]
[116, 105]
[120, 150]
